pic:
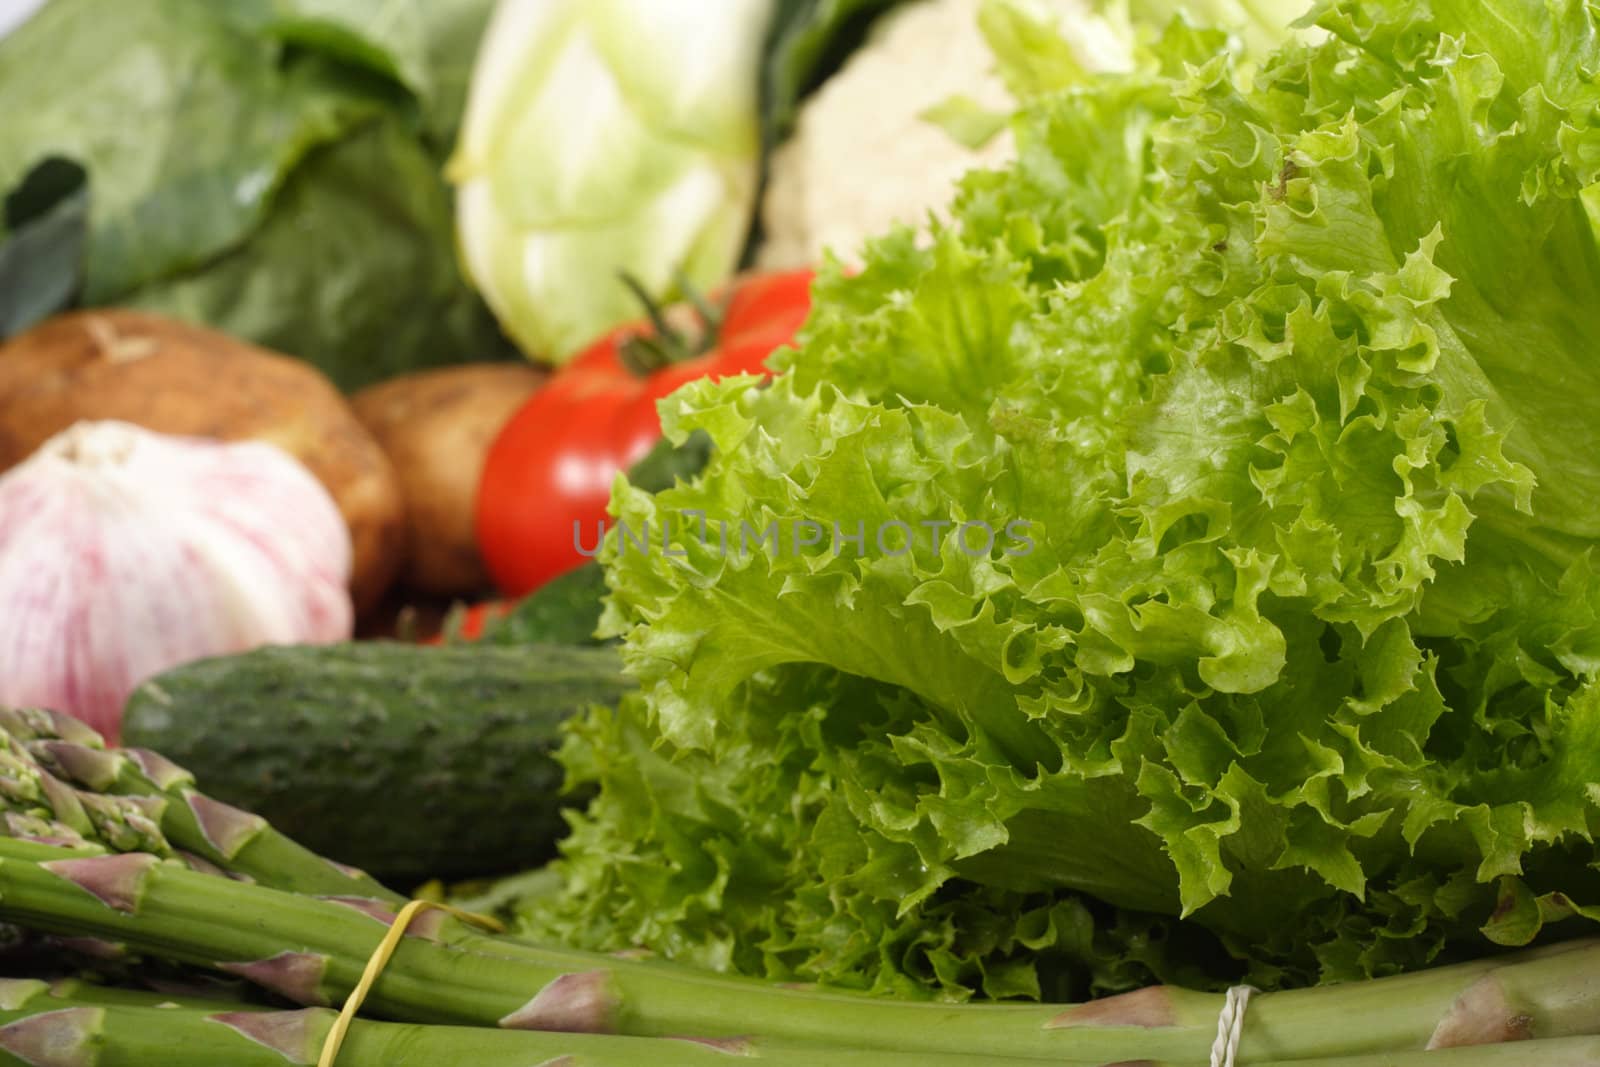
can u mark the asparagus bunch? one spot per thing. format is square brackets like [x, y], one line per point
[118, 846]
[59, 783]
[70, 1024]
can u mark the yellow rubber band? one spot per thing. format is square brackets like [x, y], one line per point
[380, 959]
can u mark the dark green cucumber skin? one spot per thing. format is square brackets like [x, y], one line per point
[410, 762]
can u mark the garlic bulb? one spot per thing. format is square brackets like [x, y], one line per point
[124, 552]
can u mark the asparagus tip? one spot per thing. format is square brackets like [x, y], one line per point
[64, 802]
[225, 827]
[40, 831]
[94, 768]
[41, 723]
[159, 769]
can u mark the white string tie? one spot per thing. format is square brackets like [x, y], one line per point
[1230, 1025]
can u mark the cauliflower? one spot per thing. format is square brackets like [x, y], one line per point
[863, 157]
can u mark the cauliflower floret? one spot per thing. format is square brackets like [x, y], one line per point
[862, 158]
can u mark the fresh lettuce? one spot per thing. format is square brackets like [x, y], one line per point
[1291, 373]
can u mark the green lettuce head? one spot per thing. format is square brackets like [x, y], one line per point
[1291, 376]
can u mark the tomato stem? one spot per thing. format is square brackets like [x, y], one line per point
[645, 354]
[710, 317]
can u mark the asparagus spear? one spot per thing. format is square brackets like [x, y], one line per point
[55, 768]
[313, 950]
[73, 1025]
[61, 785]
[1553, 1052]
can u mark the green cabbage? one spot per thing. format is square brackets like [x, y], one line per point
[600, 137]
[1292, 373]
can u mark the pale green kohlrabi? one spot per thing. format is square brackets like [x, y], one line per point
[602, 137]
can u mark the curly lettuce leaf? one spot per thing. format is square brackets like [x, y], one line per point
[1285, 376]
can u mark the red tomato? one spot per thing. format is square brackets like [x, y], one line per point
[553, 463]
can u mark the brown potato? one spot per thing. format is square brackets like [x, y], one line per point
[172, 377]
[437, 426]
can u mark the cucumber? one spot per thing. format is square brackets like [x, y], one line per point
[410, 762]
